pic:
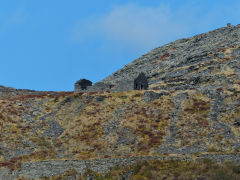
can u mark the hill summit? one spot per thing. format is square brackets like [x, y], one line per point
[190, 62]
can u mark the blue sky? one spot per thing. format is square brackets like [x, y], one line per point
[50, 44]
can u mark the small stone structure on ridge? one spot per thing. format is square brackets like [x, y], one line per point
[82, 85]
[139, 83]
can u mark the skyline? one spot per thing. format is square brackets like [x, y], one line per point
[50, 45]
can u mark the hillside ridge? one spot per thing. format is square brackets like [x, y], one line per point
[161, 62]
[190, 112]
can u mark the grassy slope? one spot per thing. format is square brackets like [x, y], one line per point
[120, 125]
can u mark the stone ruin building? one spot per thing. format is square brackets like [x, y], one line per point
[82, 85]
[139, 83]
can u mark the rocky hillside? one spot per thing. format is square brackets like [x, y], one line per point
[7, 92]
[210, 58]
[191, 113]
